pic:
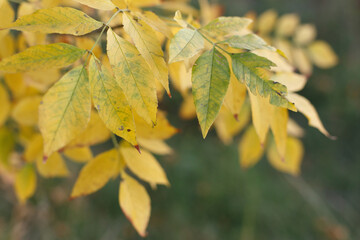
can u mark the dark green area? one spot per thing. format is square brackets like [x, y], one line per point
[210, 196]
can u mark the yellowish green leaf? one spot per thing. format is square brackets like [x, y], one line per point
[250, 149]
[249, 42]
[96, 173]
[210, 80]
[135, 203]
[226, 25]
[156, 23]
[143, 164]
[111, 102]
[56, 55]
[133, 76]
[322, 55]
[5, 105]
[7, 143]
[25, 183]
[149, 47]
[185, 44]
[65, 110]
[63, 20]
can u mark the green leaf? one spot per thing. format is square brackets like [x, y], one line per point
[41, 57]
[63, 20]
[65, 110]
[210, 80]
[185, 44]
[249, 42]
[133, 75]
[226, 25]
[247, 68]
[111, 102]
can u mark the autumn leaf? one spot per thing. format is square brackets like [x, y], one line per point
[53, 167]
[61, 124]
[250, 149]
[102, 5]
[210, 80]
[246, 69]
[25, 111]
[135, 203]
[225, 25]
[62, 20]
[56, 55]
[149, 47]
[185, 44]
[25, 183]
[133, 76]
[7, 15]
[143, 164]
[248, 42]
[79, 154]
[5, 105]
[7, 143]
[111, 102]
[96, 173]
[155, 146]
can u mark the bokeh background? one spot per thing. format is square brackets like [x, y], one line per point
[210, 196]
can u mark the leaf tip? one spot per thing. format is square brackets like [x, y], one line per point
[138, 148]
[236, 116]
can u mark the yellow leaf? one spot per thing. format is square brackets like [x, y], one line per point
[79, 154]
[42, 79]
[25, 111]
[56, 55]
[133, 76]
[63, 20]
[187, 108]
[88, 43]
[180, 77]
[7, 46]
[279, 122]
[135, 203]
[98, 4]
[266, 22]
[156, 23]
[162, 130]
[96, 173]
[281, 63]
[149, 47]
[302, 61]
[155, 146]
[305, 34]
[250, 149]
[179, 19]
[286, 24]
[322, 55]
[143, 164]
[25, 183]
[226, 25]
[305, 107]
[7, 15]
[53, 167]
[235, 96]
[61, 124]
[294, 129]
[96, 132]
[294, 82]
[291, 163]
[261, 111]
[34, 149]
[5, 105]
[285, 48]
[227, 126]
[111, 102]
[16, 84]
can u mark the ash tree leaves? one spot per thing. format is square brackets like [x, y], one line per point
[210, 80]
[246, 69]
[226, 25]
[56, 55]
[63, 20]
[133, 76]
[65, 111]
[185, 44]
[248, 42]
[149, 47]
[111, 102]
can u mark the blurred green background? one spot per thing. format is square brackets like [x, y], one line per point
[210, 196]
